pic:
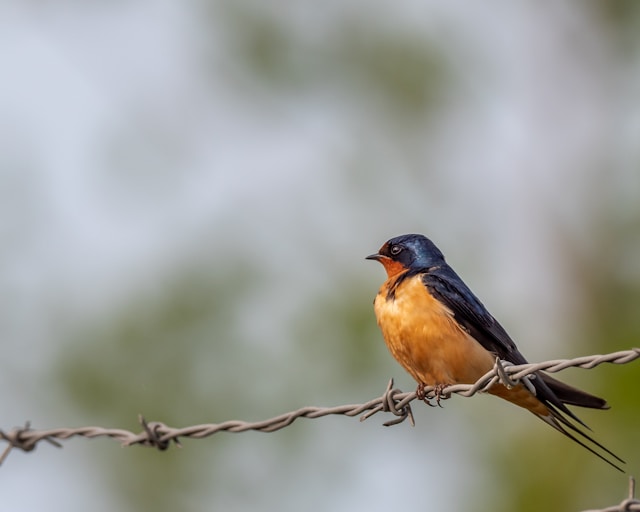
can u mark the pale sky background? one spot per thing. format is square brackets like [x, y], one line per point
[134, 140]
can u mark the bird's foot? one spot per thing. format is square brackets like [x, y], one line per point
[421, 393]
[439, 394]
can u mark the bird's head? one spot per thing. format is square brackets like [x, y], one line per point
[407, 252]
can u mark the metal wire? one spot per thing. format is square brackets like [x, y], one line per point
[160, 436]
[630, 504]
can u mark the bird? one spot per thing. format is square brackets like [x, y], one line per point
[442, 335]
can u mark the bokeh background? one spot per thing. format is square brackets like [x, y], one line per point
[187, 193]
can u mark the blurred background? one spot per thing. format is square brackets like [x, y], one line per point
[187, 193]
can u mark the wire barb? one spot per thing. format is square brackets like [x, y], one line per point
[631, 504]
[394, 401]
[499, 368]
[152, 435]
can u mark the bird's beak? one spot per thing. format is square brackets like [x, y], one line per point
[376, 257]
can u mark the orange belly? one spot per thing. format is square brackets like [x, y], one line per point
[521, 396]
[424, 338]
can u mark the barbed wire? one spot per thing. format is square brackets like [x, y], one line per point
[630, 504]
[158, 435]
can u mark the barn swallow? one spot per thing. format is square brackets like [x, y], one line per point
[439, 331]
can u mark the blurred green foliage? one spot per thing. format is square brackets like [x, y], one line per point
[401, 73]
[176, 353]
[542, 470]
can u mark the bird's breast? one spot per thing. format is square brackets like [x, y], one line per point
[424, 337]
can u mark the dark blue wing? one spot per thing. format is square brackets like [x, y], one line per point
[445, 285]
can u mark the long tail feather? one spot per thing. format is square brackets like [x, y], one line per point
[573, 396]
[559, 422]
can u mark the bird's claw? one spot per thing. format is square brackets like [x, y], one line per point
[437, 394]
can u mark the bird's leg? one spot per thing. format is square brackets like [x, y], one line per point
[422, 395]
[439, 394]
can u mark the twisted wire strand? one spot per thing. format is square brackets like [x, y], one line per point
[630, 504]
[160, 436]
[626, 506]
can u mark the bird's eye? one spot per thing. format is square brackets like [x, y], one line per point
[395, 250]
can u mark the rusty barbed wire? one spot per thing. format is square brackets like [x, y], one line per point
[158, 435]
